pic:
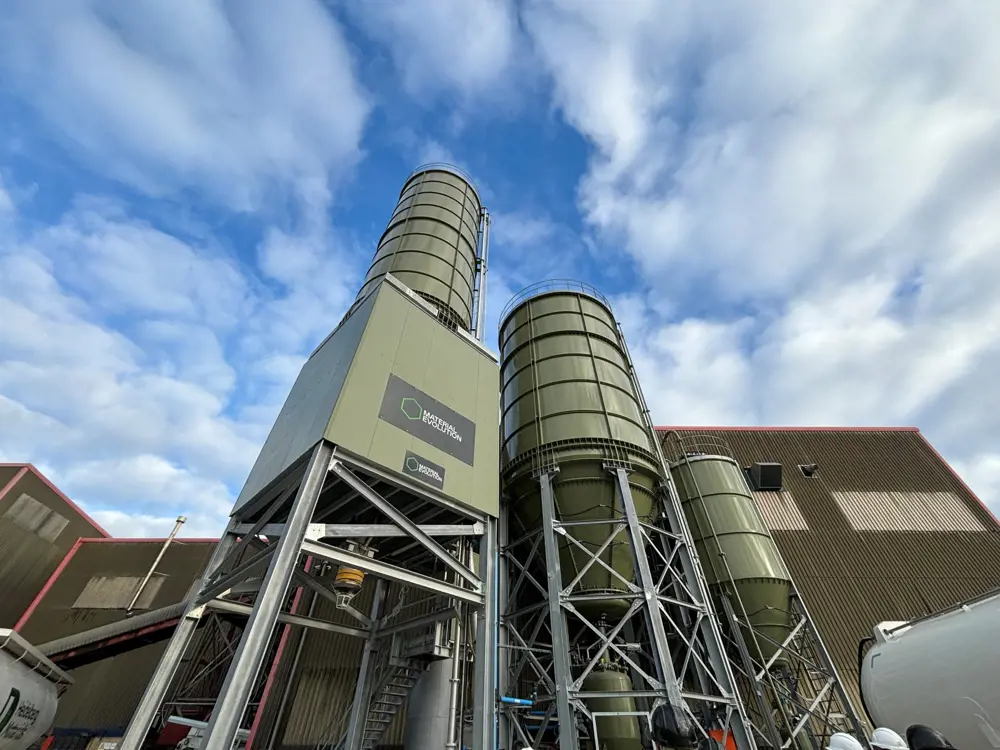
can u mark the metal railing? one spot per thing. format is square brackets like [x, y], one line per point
[554, 285]
[677, 446]
[442, 166]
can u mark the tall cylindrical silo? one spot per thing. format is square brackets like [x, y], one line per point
[568, 400]
[431, 241]
[735, 547]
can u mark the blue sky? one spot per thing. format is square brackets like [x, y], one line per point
[793, 208]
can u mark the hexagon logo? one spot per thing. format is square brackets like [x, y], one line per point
[412, 464]
[411, 408]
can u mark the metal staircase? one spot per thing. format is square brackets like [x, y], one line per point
[389, 695]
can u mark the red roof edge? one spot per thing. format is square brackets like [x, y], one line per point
[14, 480]
[959, 479]
[83, 514]
[48, 585]
[134, 540]
[762, 428]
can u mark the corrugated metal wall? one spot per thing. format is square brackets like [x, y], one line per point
[323, 686]
[37, 530]
[853, 579]
[105, 693]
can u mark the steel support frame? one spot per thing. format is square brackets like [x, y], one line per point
[241, 552]
[672, 664]
[797, 697]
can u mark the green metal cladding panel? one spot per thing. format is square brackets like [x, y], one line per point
[568, 399]
[431, 242]
[403, 341]
[725, 522]
[306, 412]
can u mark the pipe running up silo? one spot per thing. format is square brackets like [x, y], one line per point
[738, 553]
[431, 242]
[567, 400]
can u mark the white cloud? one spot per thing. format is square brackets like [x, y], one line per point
[129, 357]
[229, 98]
[810, 196]
[465, 46]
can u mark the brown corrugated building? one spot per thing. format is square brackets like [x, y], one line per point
[883, 529]
[38, 526]
[91, 588]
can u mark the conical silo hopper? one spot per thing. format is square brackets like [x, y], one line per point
[431, 241]
[737, 553]
[567, 400]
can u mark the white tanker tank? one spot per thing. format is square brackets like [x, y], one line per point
[30, 686]
[942, 671]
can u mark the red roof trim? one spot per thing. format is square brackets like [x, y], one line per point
[14, 480]
[34, 470]
[762, 428]
[160, 540]
[959, 479]
[48, 585]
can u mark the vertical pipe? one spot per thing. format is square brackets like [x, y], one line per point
[159, 683]
[568, 739]
[483, 263]
[235, 693]
[484, 696]
[503, 640]
[138, 592]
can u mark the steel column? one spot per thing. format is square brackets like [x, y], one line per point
[236, 690]
[503, 655]
[159, 683]
[362, 690]
[568, 739]
[664, 666]
[484, 696]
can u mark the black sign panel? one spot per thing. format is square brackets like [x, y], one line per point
[413, 411]
[426, 471]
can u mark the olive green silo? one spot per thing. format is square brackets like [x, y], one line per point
[567, 400]
[431, 241]
[728, 529]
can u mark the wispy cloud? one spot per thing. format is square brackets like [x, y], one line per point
[796, 210]
[233, 100]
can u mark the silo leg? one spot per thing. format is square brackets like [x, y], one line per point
[363, 688]
[568, 739]
[159, 683]
[249, 658]
[484, 697]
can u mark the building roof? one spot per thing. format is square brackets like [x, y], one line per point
[765, 429]
[22, 469]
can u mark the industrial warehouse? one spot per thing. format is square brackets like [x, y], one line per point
[397, 572]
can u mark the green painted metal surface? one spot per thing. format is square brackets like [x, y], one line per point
[568, 401]
[339, 395]
[613, 732]
[431, 240]
[402, 339]
[725, 521]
